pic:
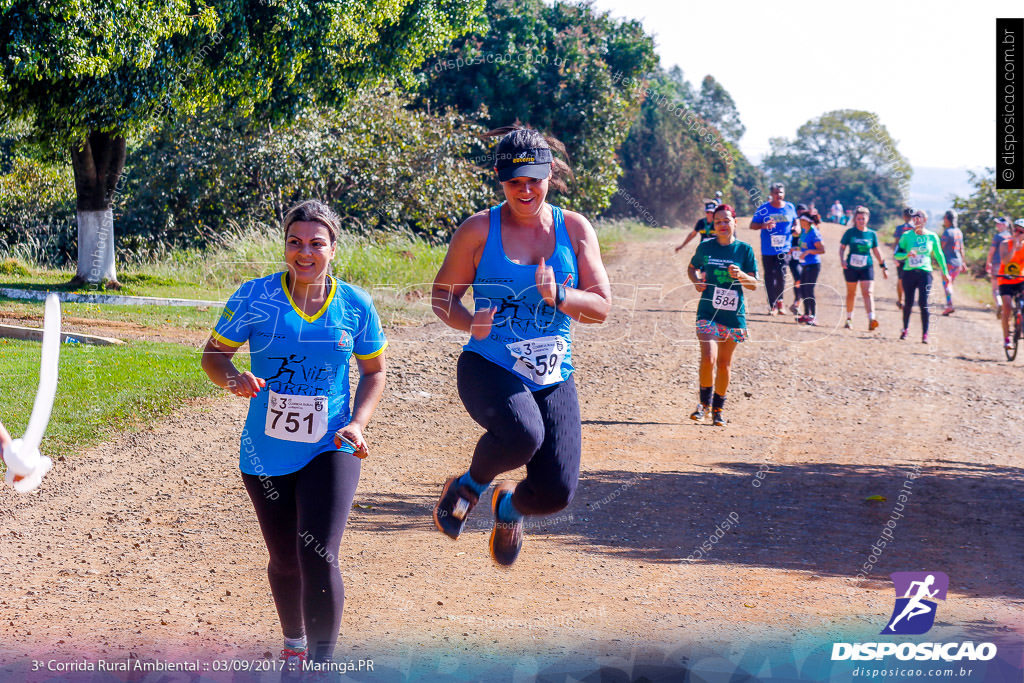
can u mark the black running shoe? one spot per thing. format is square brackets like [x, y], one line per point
[507, 537]
[453, 507]
[699, 414]
[716, 417]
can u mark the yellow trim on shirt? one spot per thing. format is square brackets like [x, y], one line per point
[225, 341]
[323, 309]
[372, 355]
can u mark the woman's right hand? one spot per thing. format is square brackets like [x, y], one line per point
[480, 328]
[245, 384]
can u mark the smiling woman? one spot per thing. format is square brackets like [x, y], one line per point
[301, 447]
[534, 268]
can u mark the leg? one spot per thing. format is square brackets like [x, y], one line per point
[553, 472]
[810, 279]
[925, 290]
[708, 352]
[899, 286]
[324, 493]
[501, 404]
[867, 293]
[909, 286]
[1007, 305]
[278, 520]
[851, 297]
[723, 367]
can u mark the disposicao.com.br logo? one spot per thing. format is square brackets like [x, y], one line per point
[914, 614]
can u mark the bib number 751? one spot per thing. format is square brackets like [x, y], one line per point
[296, 418]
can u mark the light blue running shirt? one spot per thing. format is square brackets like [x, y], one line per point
[305, 362]
[528, 337]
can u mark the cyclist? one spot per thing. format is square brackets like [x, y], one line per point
[918, 249]
[992, 261]
[726, 266]
[953, 249]
[858, 266]
[1011, 274]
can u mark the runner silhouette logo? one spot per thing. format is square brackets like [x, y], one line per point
[915, 608]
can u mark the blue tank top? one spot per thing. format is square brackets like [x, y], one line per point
[528, 337]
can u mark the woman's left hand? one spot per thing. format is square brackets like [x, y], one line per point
[546, 284]
[353, 433]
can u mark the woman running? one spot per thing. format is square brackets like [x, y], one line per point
[858, 266]
[705, 227]
[301, 447]
[810, 250]
[953, 249]
[534, 269]
[720, 269]
[796, 265]
[917, 249]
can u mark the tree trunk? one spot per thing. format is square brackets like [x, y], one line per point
[97, 166]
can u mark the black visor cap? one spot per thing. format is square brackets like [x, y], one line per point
[528, 163]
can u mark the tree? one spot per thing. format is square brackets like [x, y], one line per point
[669, 166]
[565, 69]
[978, 211]
[846, 155]
[716, 106]
[89, 77]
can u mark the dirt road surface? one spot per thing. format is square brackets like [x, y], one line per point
[147, 546]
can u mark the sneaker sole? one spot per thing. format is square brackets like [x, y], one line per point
[495, 499]
[437, 522]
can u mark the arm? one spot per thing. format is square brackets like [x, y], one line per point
[842, 255]
[688, 239]
[457, 274]
[372, 375]
[940, 258]
[217, 364]
[819, 248]
[881, 262]
[988, 259]
[746, 279]
[591, 302]
[901, 253]
[698, 282]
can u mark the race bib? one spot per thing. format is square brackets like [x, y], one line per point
[539, 360]
[916, 260]
[858, 260]
[779, 242]
[296, 418]
[725, 299]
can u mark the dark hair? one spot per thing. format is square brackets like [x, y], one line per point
[313, 211]
[907, 212]
[811, 215]
[518, 138]
[725, 207]
[951, 217]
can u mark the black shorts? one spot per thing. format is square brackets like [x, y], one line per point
[859, 274]
[1011, 290]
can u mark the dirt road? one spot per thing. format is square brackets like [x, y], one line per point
[147, 545]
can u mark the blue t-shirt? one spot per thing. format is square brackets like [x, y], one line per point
[808, 239]
[528, 337]
[305, 362]
[779, 239]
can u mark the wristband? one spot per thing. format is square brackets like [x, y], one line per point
[883, 266]
[559, 295]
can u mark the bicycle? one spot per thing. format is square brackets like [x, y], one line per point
[1016, 326]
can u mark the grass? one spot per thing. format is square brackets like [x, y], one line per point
[611, 234]
[102, 389]
[151, 316]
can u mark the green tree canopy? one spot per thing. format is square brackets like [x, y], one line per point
[565, 69]
[979, 210]
[716, 106]
[846, 155]
[90, 75]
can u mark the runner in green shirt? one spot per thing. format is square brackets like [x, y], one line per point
[720, 269]
[918, 248]
[861, 242]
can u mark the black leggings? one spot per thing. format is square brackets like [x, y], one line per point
[302, 516]
[809, 278]
[916, 281]
[539, 429]
[774, 276]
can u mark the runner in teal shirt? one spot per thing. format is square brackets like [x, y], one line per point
[720, 270]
